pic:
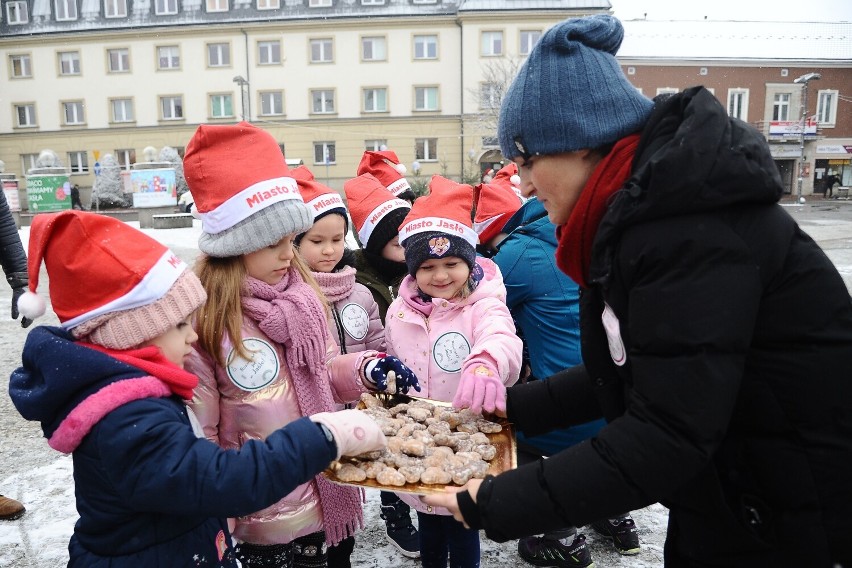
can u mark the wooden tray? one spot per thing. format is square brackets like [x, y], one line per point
[504, 441]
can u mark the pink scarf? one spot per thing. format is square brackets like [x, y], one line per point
[336, 285]
[290, 314]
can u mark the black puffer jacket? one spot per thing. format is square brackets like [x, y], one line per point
[732, 404]
[12, 255]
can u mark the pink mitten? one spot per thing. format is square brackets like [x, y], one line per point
[354, 432]
[481, 389]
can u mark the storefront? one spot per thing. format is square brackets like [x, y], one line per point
[833, 158]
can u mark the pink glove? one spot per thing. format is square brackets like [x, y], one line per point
[354, 432]
[481, 389]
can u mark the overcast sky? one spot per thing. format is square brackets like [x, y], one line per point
[742, 10]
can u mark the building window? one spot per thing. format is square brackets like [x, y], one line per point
[426, 149]
[372, 2]
[324, 153]
[78, 162]
[375, 100]
[425, 47]
[125, 158]
[165, 7]
[490, 95]
[319, 3]
[25, 115]
[490, 141]
[16, 12]
[425, 1]
[268, 4]
[221, 106]
[492, 44]
[217, 5]
[168, 57]
[20, 66]
[65, 10]
[375, 145]
[781, 107]
[272, 103]
[28, 162]
[69, 63]
[374, 49]
[72, 112]
[121, 110]
[119, 60]
[827, 108]
[666, 91]
[631, 70]
[171, 107]
[738, 103]
[115, 8]
[218, 54]
[269, 52]
[322, 50]
[528, 40]
[425, 98]
[323, 101]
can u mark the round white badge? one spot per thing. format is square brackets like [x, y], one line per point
[450, 350]
[355, 320]
[613, 336]
[259, 371]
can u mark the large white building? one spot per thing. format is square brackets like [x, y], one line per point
[328, 78]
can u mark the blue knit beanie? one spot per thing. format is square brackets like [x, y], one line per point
[571, 94]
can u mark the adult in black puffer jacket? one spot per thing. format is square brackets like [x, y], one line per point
[717, 336]
[12, 257]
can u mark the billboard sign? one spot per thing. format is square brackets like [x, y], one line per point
[48, 193]
[154, 188]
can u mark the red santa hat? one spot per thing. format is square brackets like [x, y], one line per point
[508, 177]
[386, 167]
[109, 283]
[495, 204]
[376, 212]
[319, 198]
[244, 193]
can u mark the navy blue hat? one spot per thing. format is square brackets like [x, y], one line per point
[571, 93]
[436, 245]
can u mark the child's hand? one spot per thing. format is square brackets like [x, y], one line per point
[391, 375]
[481, 389]
[354, 432]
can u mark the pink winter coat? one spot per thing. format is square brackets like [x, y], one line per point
[248, 401]
[455, 336]
[355, 314]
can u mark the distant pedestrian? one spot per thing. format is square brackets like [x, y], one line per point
[75, 198]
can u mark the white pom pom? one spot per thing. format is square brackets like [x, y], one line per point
[401, 168]
[31, 305]
[194, 212]
[515, 179]
[383, 148]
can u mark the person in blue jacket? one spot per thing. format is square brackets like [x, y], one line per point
[109, 387]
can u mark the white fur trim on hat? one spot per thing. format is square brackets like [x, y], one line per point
[378, 214]
[325, 202]
[441, 224]
[250, 200]
[399, 186]
[156, 282]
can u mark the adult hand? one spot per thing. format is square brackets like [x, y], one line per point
[481, 389]
[17, 293]
[449, 499]
[391, 375]
[354, 432]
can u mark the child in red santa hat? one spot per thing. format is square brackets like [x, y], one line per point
[109, 387]
[452, 307]
[386, 167]
[264, 356]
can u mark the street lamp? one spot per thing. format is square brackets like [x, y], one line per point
[803, 81]
[244, 85]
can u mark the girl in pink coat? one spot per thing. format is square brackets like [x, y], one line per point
[264, 356]
[450, 324]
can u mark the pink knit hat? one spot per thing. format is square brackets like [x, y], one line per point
[109, 283]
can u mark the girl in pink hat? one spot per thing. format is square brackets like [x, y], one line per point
[264, 356]
[450, 324]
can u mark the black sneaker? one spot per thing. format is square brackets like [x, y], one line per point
[541, 551]
[622, 532]
[400, 530]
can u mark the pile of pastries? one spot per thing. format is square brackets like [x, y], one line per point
[427, 444]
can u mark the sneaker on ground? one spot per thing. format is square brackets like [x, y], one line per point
[401, 532]
[10, 509]
[622, 532]
[541, 551]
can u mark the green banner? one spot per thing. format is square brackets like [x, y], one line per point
[48, 193]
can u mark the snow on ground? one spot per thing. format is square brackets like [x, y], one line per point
[42, 478]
